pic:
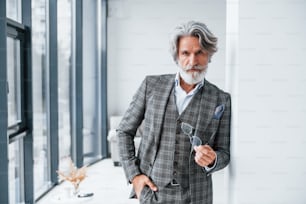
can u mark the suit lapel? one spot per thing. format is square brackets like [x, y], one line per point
[207, 108]
[161, 97]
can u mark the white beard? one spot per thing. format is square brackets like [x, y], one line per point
[193, 77]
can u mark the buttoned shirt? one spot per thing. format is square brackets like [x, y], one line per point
[182, 98]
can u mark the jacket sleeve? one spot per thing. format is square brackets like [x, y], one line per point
[222, 143]
[127, 130]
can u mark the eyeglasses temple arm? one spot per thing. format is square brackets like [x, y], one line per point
[211, 139]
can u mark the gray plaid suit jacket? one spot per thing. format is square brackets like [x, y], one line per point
[147, 110]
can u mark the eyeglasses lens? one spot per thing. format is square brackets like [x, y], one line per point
[195, 141]
[186, 128]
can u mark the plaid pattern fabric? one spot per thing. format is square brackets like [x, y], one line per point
[148, 108]
[165, 195]
[182, 142]
[162, 173]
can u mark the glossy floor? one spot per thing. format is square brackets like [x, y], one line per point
[106, 182]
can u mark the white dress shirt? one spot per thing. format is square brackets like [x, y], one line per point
[182, 98]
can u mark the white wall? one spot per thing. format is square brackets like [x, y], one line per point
[265, 72]
[138, 42]
[138, 45]
[269, 163]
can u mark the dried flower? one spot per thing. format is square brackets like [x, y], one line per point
[75, 175]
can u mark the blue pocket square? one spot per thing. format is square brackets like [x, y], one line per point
[219, 111]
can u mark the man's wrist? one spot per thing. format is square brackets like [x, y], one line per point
[212, 165]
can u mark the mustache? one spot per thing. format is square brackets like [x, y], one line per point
[196, 67]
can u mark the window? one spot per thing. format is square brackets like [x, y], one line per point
[40, 91]
[14, 81]
[91, 95]
[50, 114]
[15, 102]
[16, 172]
[13, 10]
[64, 20]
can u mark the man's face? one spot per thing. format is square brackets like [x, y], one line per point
[192, 59]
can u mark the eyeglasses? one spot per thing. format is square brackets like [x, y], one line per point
[189, 130]
[195, 140]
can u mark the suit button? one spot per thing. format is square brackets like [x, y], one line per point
[178, 123]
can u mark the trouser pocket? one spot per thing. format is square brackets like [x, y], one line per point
[145, 195]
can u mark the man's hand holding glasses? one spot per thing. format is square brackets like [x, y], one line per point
[205, 156]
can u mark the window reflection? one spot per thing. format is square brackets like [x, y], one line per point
[15, 172]
[13, 10]
[39, 73]
[90, 74]
[13, 77]
[64, 80]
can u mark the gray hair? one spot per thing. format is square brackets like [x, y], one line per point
[207, 40]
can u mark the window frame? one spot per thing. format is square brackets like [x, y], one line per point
[16, 30]
[18, 131]
[22, 131]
